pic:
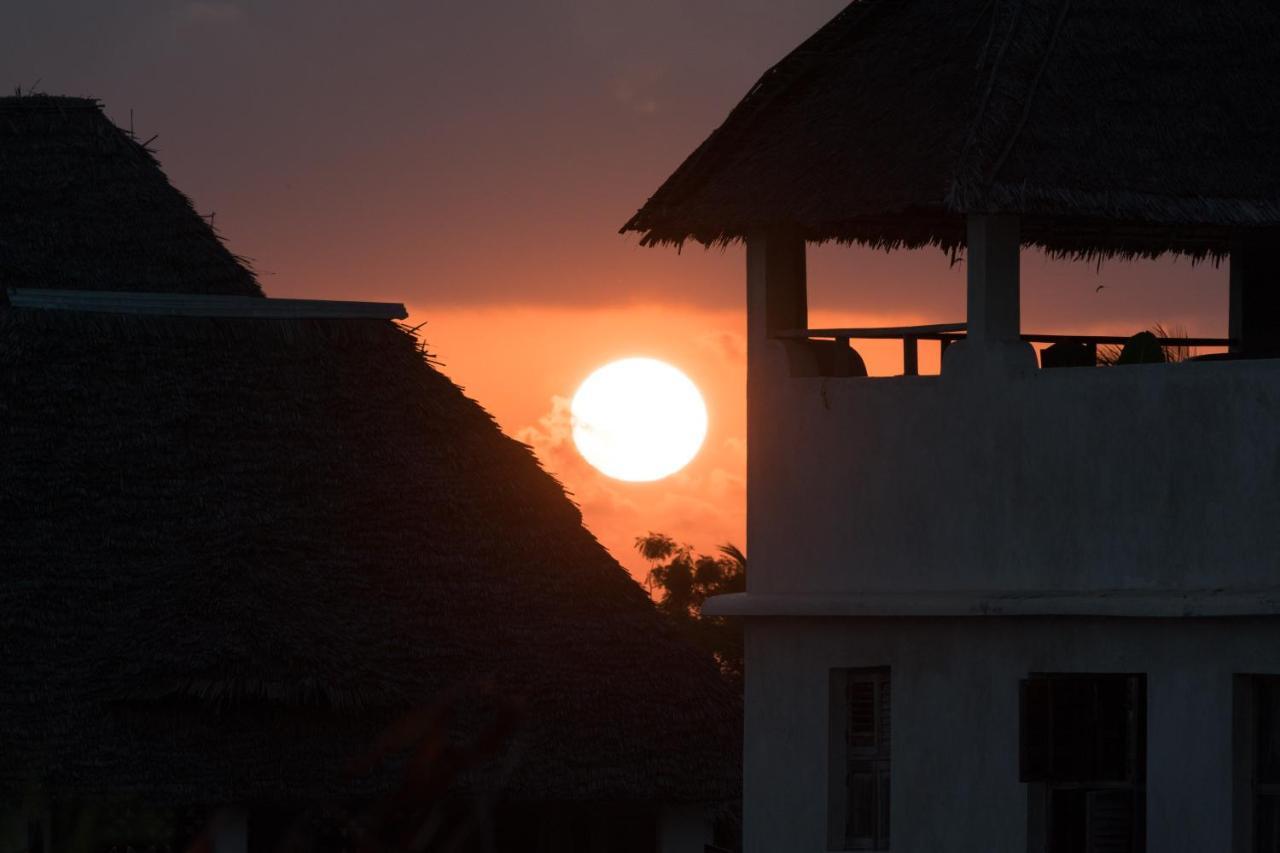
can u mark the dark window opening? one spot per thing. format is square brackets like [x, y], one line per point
[1266, 783]
[1084, 753]
[1257, 759]
[860, 760]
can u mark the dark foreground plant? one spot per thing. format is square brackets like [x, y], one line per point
[682, 581]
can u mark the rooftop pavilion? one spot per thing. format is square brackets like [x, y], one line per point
[1088, 130]
[950, 572]
[980, 128]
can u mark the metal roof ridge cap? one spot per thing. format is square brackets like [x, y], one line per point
[201, 305]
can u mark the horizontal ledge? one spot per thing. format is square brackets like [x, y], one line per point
[1130, 603]
[955, 331]
[1122, 339]
[885, 332]
[201, 305]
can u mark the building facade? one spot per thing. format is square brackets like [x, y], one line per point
[1004, 607]
[1028, 603]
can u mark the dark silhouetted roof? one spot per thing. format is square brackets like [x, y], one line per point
[1131, 127]
[234, 550]
[84, 206]
[273, 536]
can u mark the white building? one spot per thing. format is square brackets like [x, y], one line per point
[1006, 607]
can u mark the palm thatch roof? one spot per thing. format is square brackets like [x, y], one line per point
[85, 206]
[1134, 127]
[237, 551]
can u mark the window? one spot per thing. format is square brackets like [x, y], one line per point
[860, 738]
[1257, 762]
[1084, 753]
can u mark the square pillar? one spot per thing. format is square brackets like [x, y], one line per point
[991, 261]
[776, 302]
[777, 296]
[993, 345]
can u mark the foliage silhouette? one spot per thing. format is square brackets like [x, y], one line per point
[1109, 355]
[683, 581]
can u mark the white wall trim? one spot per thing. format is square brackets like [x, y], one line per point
[1114, 602]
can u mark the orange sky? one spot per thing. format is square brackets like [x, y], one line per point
[523, 362]
[475, 160]
[505, 358]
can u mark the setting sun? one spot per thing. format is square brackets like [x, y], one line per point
[638, 419]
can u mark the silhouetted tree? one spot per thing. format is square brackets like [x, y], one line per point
[682, 580]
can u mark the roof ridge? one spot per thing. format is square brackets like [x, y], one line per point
[78, 182]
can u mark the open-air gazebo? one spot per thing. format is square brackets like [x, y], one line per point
[1008, 607]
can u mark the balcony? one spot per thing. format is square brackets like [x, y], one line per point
[822, 352]
[1146, 478]
[1002, 485]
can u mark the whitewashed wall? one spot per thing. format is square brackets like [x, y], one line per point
[955, 734]
[1152, 477]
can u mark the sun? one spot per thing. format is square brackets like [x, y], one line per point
[638, 419]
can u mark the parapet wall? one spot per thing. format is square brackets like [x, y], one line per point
[1152, 477]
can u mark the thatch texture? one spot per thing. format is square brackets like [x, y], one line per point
[84, 206]
[235, 550]
[1133, 127]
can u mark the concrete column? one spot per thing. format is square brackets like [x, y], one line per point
[684, 829]
[993, 343]
[776, 301]
[993, 276]
[776, 284]
[230, 831]
[1254, 311]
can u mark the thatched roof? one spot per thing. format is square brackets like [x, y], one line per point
[236, 549]
[1139, 126]
[84, 206]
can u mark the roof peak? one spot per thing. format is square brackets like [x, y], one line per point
[87, 207]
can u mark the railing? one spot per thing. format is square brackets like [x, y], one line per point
[948, 333]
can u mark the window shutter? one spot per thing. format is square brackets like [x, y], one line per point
[1109, 822]
[867, 730]
[862, 715]
[883, 717]
[1136, 730]
[1267, 738]
[882, 806]
[860, 831]
[1036, 729]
